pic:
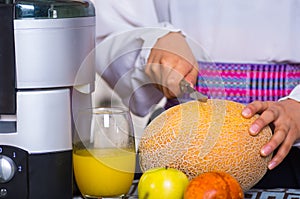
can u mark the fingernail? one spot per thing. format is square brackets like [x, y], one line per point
[266, 150]
[254, 129]
[246, 112]
[272, 165]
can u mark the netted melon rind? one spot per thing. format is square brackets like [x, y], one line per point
[197, 137]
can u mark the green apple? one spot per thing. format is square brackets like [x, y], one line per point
[162, 183]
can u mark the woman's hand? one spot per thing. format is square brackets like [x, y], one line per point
[171, 60]
[285, 116]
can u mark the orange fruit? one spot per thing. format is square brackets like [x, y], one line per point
[213, 185]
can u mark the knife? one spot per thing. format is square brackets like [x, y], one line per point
[185, 87]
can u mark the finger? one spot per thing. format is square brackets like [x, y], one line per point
[159, 72]
[170, 78]
[254, 107]
[155, 72]
[167, 92]
[277, 139]
[174, 69]
[183, 66]
[153, 68]
[179, 71]
[152, 71]
[282, 152]
[192, 76]
[285, 147]
[267, 117]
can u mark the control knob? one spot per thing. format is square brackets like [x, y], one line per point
[7, 169]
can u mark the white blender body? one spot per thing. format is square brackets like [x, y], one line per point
[36, 119]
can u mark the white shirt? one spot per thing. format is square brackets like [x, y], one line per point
[224, 31]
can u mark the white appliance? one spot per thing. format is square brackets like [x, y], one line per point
[46, 75]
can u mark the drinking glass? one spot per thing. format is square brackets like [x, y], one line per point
[104, 159]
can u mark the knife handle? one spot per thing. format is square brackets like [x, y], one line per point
[185, 86]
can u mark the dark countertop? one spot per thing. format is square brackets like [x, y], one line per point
[251, 194]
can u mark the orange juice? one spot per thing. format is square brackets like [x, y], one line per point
[104, 172]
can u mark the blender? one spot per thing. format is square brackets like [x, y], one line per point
[44, 45]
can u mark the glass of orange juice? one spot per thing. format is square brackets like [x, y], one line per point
[104, 159]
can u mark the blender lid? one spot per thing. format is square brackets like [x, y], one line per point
[51, 9]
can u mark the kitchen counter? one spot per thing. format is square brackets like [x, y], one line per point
[251, 194]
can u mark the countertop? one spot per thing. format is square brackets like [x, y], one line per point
[251, 194]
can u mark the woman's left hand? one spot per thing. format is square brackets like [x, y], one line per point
[285, 116]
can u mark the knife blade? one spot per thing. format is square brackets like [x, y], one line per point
[185, 87]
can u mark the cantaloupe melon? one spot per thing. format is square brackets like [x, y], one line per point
[197, 137]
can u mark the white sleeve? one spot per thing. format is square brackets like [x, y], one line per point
[123, 47]
[118, 15]
[295, 94]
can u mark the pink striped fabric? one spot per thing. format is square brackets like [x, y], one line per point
[245, 82]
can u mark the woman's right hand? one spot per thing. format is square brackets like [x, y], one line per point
[171, 60]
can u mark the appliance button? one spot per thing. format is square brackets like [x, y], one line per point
[7, 169]
[3, 193]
